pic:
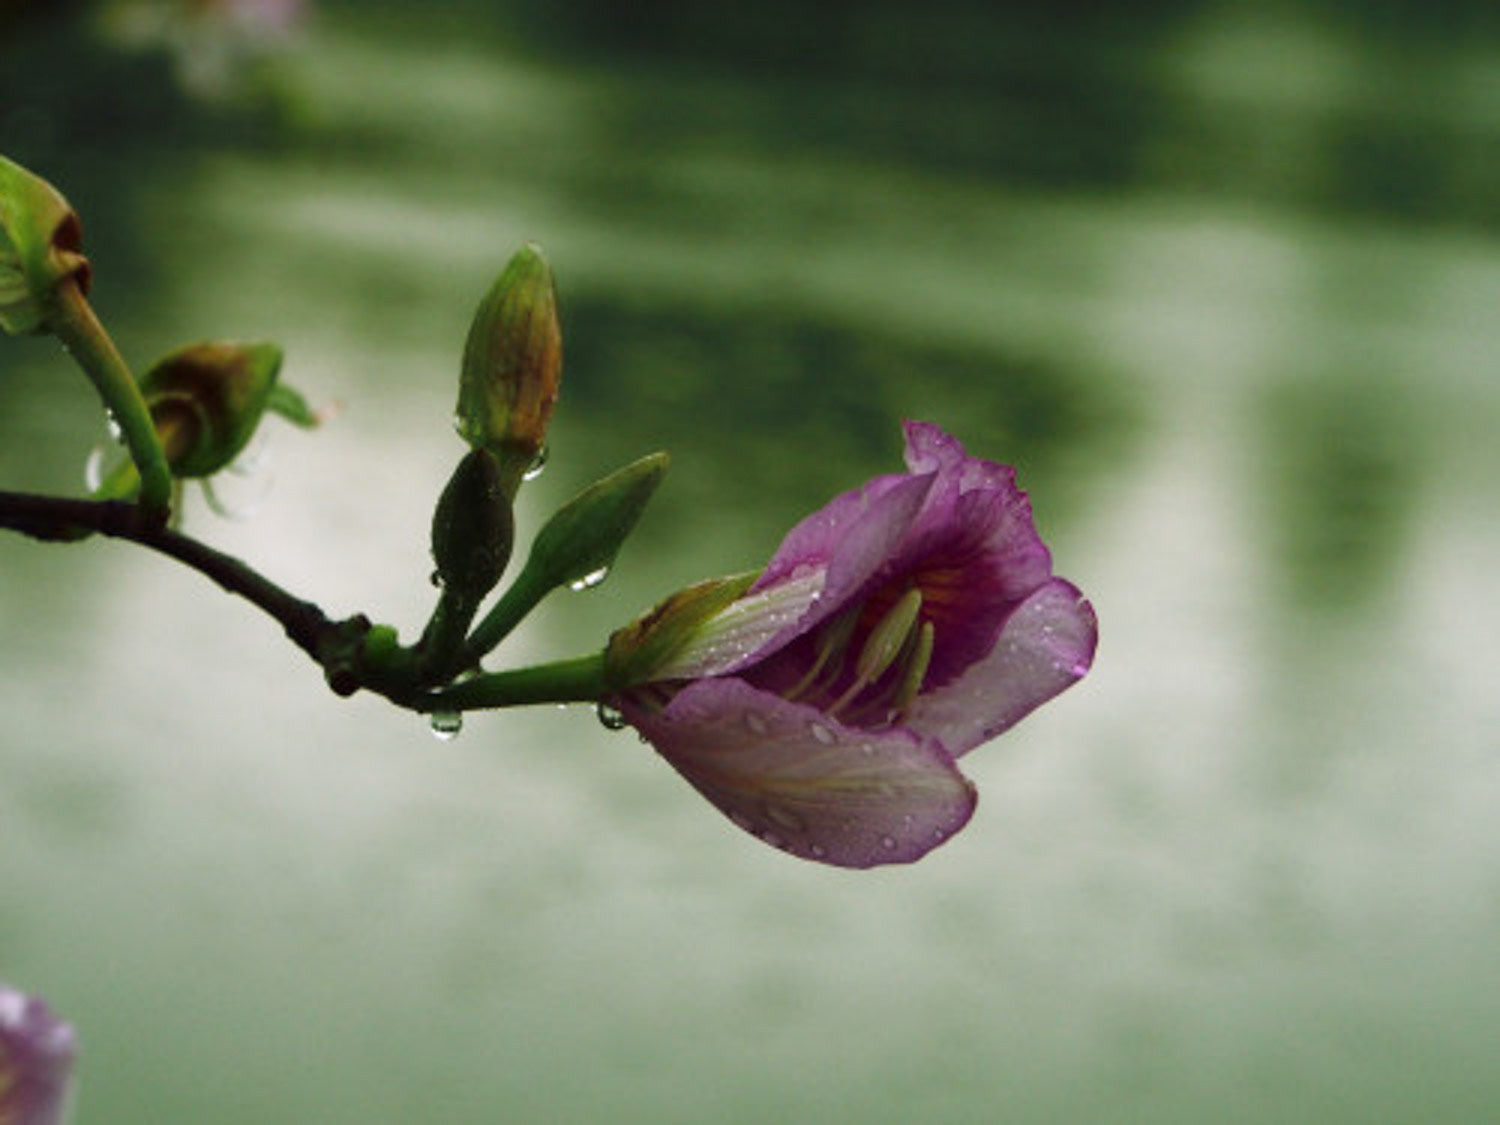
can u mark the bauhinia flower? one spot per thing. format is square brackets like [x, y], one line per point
[36, 1061]
[823, 705]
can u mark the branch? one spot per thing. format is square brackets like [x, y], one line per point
[56, 519]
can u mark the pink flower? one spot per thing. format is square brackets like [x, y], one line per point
[895, 629]
[36, 1061]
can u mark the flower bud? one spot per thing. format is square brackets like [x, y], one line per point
[40, 240]
[473, 528]
[206, 400]
[579, 543]
[512, 367]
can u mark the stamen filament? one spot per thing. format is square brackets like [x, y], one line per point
[885, 643]
[832, 642]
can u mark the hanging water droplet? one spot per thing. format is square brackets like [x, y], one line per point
[436, 580]
[446, 725]
[538, 463]
[610, 718]
[818, 851]
[95, 469]
[821, 733]
[241, 488]
[589, 580]
[116, 431]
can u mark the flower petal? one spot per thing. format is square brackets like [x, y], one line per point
[851, 537]
[804, 782]
[1046, 645]
[36, 1061]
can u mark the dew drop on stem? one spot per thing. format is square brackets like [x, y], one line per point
[538, 463]
[589, 580]
[610, 718]
[446, 725]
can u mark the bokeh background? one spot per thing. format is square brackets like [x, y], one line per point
[1222, 280]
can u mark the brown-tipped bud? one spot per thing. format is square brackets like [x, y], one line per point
[512, 367]
[40, 247]
[206, 400]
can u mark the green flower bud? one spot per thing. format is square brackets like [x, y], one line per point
[473, 528]
[579, 543]
[40, 241]
[576, 547]
[207, 399]
[512, 367]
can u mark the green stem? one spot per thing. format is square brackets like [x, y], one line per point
[443, 640]
[519, 599]
[579, 680]
[74, 323]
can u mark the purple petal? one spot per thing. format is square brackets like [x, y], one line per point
[851, 538]
[1046, 645]
[805, 783]
[36, 1061]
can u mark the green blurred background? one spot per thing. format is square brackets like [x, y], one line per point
[1222, 280]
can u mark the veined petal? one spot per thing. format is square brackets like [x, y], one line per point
[1046, 645]
[851, 537]
[739, 632]
[805, 783]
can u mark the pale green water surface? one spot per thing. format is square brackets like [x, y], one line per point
[1249, 870]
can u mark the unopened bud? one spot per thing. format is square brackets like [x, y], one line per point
[207, 399]
[40, 241]
[579, 543]
[512, 367]
[473, 528]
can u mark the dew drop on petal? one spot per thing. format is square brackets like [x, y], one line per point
[538, 463]
[818, 851]
[821, 733]
[888, 843]
[610, 718]
[446, 725]
[590, 580]
[756, 724]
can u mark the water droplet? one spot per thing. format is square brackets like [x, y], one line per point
[98, 466]
[821, 733]
[538, 463]
[116, 432]
[818, 851]
[590, 580]
[436, 579]
[755, 723]
[610, 718]
[888, 843]
[241, 488]
[446, 725]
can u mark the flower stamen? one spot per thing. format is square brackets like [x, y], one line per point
[832, 642]
[885, 643]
